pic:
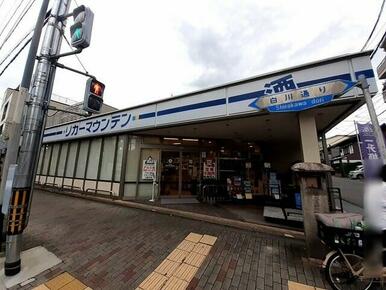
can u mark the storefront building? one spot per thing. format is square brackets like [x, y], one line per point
[235, 141]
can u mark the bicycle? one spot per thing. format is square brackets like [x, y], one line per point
[344, 265]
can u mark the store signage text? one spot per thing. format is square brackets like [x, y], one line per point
[283, 95]
[149, 169]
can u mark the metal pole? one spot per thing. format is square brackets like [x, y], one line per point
[29, 64]
[15, 127]
[373, 117]
[40, 94]
[358, 141]
[328, 174]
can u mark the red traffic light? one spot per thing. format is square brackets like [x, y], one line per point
[97, 88]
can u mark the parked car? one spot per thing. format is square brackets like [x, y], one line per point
[357, 173]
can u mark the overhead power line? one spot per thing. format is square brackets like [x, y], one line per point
[77, 57]
[16, 24]
[10, 18]
[16, 55]
[378, 45]
[375, 25]
[17, 45]
[21, 49]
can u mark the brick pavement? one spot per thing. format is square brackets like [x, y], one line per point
[112, 247]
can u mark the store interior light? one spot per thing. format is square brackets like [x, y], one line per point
[171, 138]
[189, 140]
[177, 143]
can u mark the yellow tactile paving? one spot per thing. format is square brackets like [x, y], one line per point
[186, 246]
[41, 287]
[153, 282]
[59, 281]
[297, 286]
[202, 249]
[63, 281]
[74, 285]
[193, 237]
[179, 268]
[167, 268]
[185, 272]
[177, 255]
[209, 240]
[195, 259]
[175, 284]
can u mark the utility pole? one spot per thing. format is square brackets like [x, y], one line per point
[364, 85]
[15, 125]
[32, 132]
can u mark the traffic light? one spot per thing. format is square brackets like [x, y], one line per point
[93, 96]
[82, 27]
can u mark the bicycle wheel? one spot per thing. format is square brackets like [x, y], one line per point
[339, 275]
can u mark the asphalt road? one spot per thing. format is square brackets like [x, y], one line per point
[352, 190]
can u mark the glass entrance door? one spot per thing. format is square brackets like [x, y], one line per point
[190, 173]
[179, 173]
[170, 161]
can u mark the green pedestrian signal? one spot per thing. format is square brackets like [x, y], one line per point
[77, 35]
[82, 27]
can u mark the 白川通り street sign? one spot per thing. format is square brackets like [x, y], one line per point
[304, 98]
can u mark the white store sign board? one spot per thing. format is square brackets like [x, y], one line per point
[149, 169]
[231, 100]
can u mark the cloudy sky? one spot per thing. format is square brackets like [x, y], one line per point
[148, 50]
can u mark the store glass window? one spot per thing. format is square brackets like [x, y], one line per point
[82, 159]
[71, 158]
[46, 161]
[132, 160]
[108, 158]
[118, 162]
[62, 159]
[93, 160]
[54, 159]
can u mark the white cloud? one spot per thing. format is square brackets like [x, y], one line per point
[147, 50]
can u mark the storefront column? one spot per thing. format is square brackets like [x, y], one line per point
[309, 137]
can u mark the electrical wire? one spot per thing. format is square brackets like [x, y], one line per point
[16, 24]
[25, 44]
[16, 55]
[375, 37]
[375, 25]
[378, 45]
[1, 3]
[9, 20]
[17, 45]
[354, 131]
[77, 57]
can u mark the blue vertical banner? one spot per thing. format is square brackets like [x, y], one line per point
[369, 149]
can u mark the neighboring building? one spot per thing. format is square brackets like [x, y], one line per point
[344, 153]
[216, 137]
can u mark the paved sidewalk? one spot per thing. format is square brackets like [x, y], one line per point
[112, 247]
